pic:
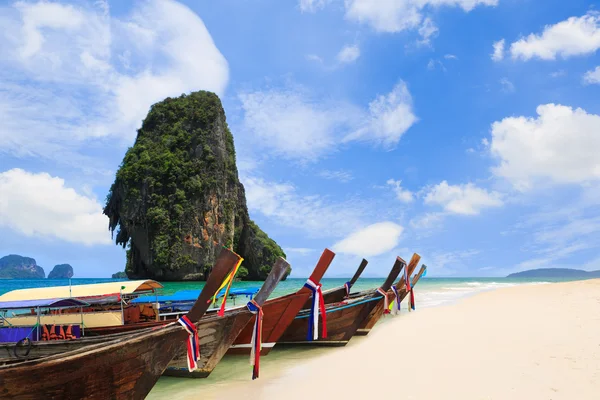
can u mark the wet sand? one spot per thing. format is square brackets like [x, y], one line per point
[523, 342]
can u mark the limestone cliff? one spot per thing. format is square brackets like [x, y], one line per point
[19, 267]
[177, 198]
[61, 271]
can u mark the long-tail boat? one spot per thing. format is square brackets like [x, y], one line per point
[341, 319]
[281, 311]
[124, 368]
[342, 292]
[378, 311]
[218, 332]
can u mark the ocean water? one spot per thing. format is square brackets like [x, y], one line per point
[429, 291]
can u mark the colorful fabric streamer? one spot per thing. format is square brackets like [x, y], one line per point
[227, 282]
[348, 286]
[256, 343]
[396, 303]
[386, 306]
[193, 344]
[409, 289]
[318, 305]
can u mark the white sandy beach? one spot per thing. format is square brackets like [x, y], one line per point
[524, 342]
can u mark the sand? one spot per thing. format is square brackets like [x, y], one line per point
[524, 342]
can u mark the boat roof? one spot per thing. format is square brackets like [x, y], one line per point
[82, 291]
[70, 302]
[192, 295]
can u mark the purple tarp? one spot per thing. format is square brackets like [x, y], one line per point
[16, 333]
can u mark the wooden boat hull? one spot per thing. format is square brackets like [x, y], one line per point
[216, 334]
[278, 315]
[343, 319]
[377, 312]
[119, 369]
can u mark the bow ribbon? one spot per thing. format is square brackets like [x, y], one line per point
[386, 306]
[193, 344]
[347, 286]
[318, 304]
[256, 343]
[396, 308]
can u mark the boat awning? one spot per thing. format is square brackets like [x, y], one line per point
[11, 305]
[82, 291]
[192, 295]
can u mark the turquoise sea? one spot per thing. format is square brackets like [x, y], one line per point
[431, 291]
[235, 370]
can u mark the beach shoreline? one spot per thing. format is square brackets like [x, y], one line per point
[525, 341]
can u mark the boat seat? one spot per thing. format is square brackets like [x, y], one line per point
[61, 333]
[45, 333]
[53, 332]
[147, 312]
[69, 333]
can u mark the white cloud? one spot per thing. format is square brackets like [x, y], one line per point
[465, 199]
[317, 215]
[391, 115]
[398, 15]
[450, 57]
[99, 74]
[341, 176]
[372, 240]
[427, 31]
[312, 5]
[592, 76]
[298, 250]
[498, 54]
[449, 262]
[40, 205]
[572, 37]
[405, 196]
[348, 54]
[272, 119]
[314, 58]
[507, 86]
[560, 145]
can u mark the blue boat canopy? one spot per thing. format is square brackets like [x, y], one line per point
[192, 295]
[17, 304]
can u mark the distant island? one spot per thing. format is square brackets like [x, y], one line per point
[555, 273]
[61, 271]
[14, 266]
[119, 275]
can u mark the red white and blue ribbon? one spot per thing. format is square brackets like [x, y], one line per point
[348, 286]
[193, 344]
[396, 306]
[256, 343]
[409, 289]
[318, 304]
[386, 305]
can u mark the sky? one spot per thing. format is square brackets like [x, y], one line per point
[467, 131]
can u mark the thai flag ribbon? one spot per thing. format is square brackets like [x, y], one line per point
[318, 304]
[386, 306]
[409, 289]
[256, 343]
[396, 306]
[348, 286]
[193, 344]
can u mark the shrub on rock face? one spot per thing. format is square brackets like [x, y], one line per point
[61, 271]
[19, 267]
[177, 198]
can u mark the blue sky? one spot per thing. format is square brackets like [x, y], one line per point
[465, 130]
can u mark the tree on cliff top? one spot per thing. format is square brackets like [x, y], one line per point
[177, 196]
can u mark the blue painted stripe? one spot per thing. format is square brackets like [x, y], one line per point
[343, 307]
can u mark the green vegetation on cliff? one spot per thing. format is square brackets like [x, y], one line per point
[177, 197]
[19, 267]
[61, 271]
